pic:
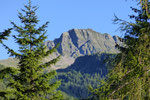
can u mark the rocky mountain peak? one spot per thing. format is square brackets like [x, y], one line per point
[78, 42]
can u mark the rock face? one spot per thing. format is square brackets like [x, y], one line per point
[76, 43]
[80, 42]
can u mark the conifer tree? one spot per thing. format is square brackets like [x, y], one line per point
[30, 81]
[130, 78]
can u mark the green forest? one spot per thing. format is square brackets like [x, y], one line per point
[100, 76]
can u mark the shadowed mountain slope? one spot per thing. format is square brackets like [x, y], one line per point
[86, 70]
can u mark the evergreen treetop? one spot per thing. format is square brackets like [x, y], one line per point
[30, 81]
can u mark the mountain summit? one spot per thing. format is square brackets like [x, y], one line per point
[80, 42]
[76, 43]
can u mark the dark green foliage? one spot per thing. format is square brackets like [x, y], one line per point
[4, 35]
[30, 81]
[79, 76]
[2, 86]
[76, 84]
[4, 92]
[130, 79]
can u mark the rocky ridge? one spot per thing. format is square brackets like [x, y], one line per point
[78, 42]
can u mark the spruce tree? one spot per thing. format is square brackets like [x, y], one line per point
[30, 81]
[130, 78]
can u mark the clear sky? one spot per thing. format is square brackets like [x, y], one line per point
[64, 15]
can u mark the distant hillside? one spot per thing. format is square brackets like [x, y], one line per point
[85, 71]
[10, 62]
[2, 66]
[91, 64]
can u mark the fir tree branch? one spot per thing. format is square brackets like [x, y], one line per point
[8, 71]
[5, 34]
[12, 52]
[47, 64]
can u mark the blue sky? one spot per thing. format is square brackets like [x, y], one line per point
[64, 15]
